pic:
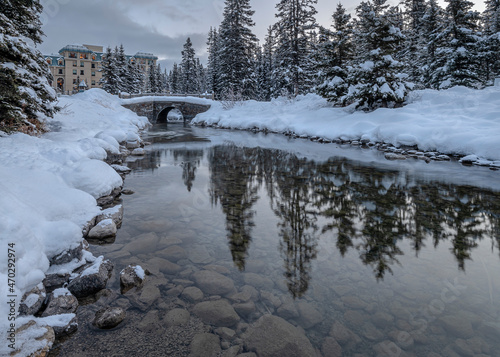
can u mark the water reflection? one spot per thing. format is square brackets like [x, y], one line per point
[371, 211]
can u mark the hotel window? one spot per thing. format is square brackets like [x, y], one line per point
[82, 64]
[83, 56]
[60, 71]
[93, 82]
[60, 62]
[74, 80]
[72, 55]
[82, 72]
[74, 71]
[93, 57]
[74, 63]
[49, 61]
[93, 65]
[93, 74]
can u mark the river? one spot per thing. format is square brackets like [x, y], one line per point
[366, 256]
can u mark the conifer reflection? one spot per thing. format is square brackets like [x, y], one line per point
[190, 161]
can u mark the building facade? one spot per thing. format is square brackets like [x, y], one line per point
[78, 67]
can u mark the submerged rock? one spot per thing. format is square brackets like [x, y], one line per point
[205, 345]
[61, 301]
[272, 336]
[213, 283]
[218, 313]
[104, 229]
[109, 317]
[32, 300]
[130, 277]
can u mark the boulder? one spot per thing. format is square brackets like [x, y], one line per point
[309, 315]
[218, 313]
[104, 229]
[258, 281]
[109, 317]
[68, 255]
[144, 243]
[192, 294]
[61, 301]
[204, 345]
[114, 213]
[163, 265]
[32, 300]
[272, 336]
[91, 279]
[54, 281]
[213, 283]
[176, 317]
[138, 152]
[173, 253]
[130, 277]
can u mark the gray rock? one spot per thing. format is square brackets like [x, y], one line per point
[130, 277]
[68, 256]
[272, 336]
[67, 329]
[109, 318]
[394, 156]
[192, 294]
[114, 213]
[343, 335]
[104, 229]
[138, 152]
[331, 348]
[205, 345]
[176, 317]
[213, 283]
[218, 313]
[132, 145]
[258, 281]
[225, 333]
[144, 243]
[245, 308]
[163, 265]
[270, 300]
[147, 296]
[92, 279]
[173, 253]
[32, 300]
[54, 281]
[61, 301]
[309, 315]
[150, 322]
[288, 310]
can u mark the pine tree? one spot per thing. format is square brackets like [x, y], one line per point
[414, 13]
[432, 40]
[175, 78]
[109, 81]
[121, 69]
[376, 79]
[212, 65]
[294, 60]
[490, 43]
[266, 82]
[189, 81]
[336, 51]
[236, 47]
[26, 97]
[459, 58]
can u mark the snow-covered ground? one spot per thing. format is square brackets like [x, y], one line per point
[49, 186]
[455, 121]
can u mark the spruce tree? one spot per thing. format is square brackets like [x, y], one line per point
[414, 14]
[376, 80]
[336, 50]
[121, 69]
[490, 43]
[266, 82]
[296, 18]
[236, 47]
[432, 28]
[189, 81]
[212, 63]
[175, 78]
[459, 59]
[26, 97]
[109, 81]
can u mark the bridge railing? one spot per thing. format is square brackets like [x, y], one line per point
[129, 96]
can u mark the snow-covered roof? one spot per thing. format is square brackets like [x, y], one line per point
[75, 48]
[145, 55]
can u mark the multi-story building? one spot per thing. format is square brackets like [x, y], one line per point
[78, 67]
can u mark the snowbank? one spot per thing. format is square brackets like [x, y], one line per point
[194, 100]
[49, 185]
[455, 121]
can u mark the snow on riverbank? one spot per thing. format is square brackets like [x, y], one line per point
[50, 184]
[455, 121]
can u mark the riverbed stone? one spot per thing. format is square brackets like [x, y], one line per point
[32, 300]
[269, 299]
[204, 345]
[114, 213]
[61, 301]
[176, 317]
[144, 243]
[138, 152]
[394, 156]
[173, 253]
[245, 308]
[213, 283]
[288, 310]
[343, 335]
[104, 229]
[199, 255]
[457, 326]
[109, 317]
[272, 336]
[163, 265]
[258, 281]
[218, 313]
[68, 255]
[130, 277]
[44, 342]
[92, 279]
[309, 315]
[151, 322]
[192, 294]
[331, 348]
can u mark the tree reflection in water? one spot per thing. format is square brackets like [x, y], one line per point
[366, 209]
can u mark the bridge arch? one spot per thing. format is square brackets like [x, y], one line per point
[163, 114]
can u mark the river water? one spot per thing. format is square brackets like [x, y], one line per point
[366, 256]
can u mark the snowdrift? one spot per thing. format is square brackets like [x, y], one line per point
[459, 120]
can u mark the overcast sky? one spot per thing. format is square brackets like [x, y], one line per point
[157, 26]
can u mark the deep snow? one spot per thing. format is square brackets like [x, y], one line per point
[49, 188]
[455, 121]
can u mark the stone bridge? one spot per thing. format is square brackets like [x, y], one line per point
[156, 109]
